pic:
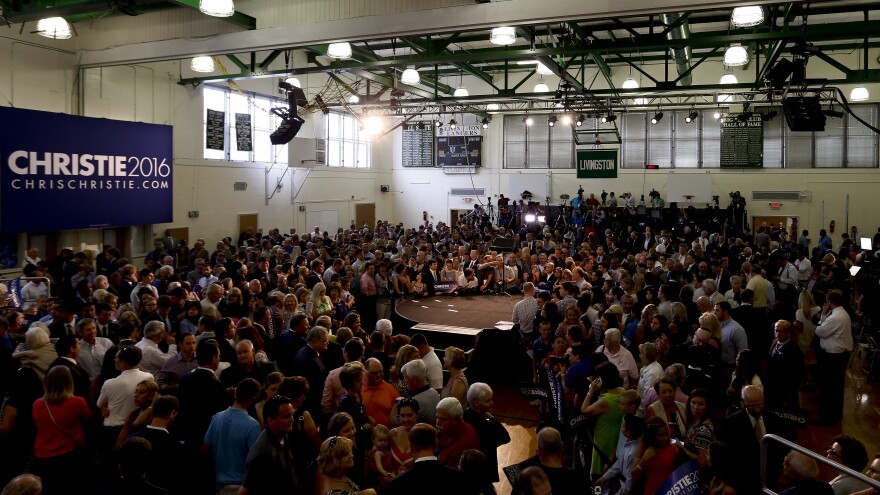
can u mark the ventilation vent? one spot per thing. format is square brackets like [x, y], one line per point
[239, 186]
[467, 191]
[779, 195]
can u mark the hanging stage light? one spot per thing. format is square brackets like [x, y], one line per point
[657, 118]
[691, 116]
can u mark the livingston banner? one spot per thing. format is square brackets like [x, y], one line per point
[65, 172]
[597, 164]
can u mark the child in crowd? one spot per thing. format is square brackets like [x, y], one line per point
[559, 347]
[381, 464]
[540, 347]
[632, 429]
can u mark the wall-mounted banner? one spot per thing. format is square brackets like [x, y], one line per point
[597, 164]
[215, 130]
[64, 172]
[243, 140]
[742, 141]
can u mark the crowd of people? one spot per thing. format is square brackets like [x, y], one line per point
[273, 363]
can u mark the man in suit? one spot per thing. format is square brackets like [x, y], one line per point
[167, 451]
[268, 279]
[104, 326]
[754, 320]
[201, 396]
[743, 430]
[785, 365]
[307, 364]
[721, 277]
[428, 476]
[63, 320]
[67, 348]
[430, 276]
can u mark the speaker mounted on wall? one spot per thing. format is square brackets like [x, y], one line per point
[804, 113]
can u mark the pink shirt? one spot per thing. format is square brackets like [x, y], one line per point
[368, 285]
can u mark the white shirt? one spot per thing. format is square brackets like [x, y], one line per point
[835, 332]
[434, 368]
[648, 376]
[118, 394]
[31, 292]
[805, 270]
[91, 356]
[154, 358]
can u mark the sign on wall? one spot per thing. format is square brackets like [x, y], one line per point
[462, 146]
[597, 164]
[418, 145]
[243, 139]
[65, 172]
[215, 130]
[742, 141]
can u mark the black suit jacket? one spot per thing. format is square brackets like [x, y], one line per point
[431, 478]
[81, 382]
[783, 378]
[756, 323]
[112, 331]
[308, 365]
[724, 286]
[429, 281]
[738, 432]
[58, 329]
[202, 396]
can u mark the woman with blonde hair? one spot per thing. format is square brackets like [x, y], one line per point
[335, 459]
[144, 394]
[58, 415]
[405, 354]
[457, 385]
[710, 323]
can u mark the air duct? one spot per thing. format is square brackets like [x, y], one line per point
[680, 32]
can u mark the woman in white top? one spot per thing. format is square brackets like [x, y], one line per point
[651, 370]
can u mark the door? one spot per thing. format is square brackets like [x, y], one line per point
[454, 215]
[116, 237]
[365, 212]
[180, 234]
[772, 223]
[247, 221]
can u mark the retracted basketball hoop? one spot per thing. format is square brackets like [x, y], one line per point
[688, 197]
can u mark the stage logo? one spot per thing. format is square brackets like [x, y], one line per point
[65, 172]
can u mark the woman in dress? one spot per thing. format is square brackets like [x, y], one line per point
[289, 307]
[701, 431]
[58, 447]
[672, 412]
[338, 302]
[400, 282]
[336, 458]
[342, 425]
[457, 385]
[408, 416]
[607, 408]
[384, 292]
[320, 303]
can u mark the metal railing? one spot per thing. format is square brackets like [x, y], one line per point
[765, 442]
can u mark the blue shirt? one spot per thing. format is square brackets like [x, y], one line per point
[231, 434]
[577, 373]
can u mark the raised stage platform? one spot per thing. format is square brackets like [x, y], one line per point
[448, 320]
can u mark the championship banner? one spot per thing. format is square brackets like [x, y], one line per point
[682, 481]
[65, 172]
[597, 164]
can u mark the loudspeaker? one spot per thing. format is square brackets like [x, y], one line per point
[778, 75]
[804, 114]
[286, 131]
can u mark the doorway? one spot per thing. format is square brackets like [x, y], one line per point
[454, 215]
[773, 222]
[248, 221]
[365, 213]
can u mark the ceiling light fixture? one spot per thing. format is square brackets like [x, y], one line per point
[339, 50]
[657, 118]
[460, 92]
[55, 28]
[691, 116]
[217, 8]
[566, 119]
[410, 76]
[452, 123]
[354, 99]
[735, 56]
[747, 16]
[717, 114]
[859, 93]
[728, 79]
[543, 69]
[504, 35]
[551, 121]
[541, 87]
[580, 120]
[630, 83]
[202, 64]
[485, 123]
[528, 120]
[437, 123]
[293, 81]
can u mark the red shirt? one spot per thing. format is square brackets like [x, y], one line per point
[55, 440]
[451, 446]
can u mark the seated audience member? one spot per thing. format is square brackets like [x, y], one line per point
[801, 472]
[851, 453]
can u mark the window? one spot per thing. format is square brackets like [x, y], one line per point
[347, 145]
[675, 143]
[263, 123]
[538, 145]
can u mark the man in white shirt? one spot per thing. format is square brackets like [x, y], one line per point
[146, 281]
[524, 312]
[117, 394]
[836, 343]
[91, 347]
[432, 363]
[804, 268]
[34, 290]
[153, 357]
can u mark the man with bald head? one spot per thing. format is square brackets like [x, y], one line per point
[551, 460]
[802, 472]
[246, 367]
[743, 431]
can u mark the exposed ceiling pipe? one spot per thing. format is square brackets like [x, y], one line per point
[682, 55]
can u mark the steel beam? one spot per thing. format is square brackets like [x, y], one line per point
[421, 48]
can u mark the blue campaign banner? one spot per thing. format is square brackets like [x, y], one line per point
[682, 481]
[65, 172]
